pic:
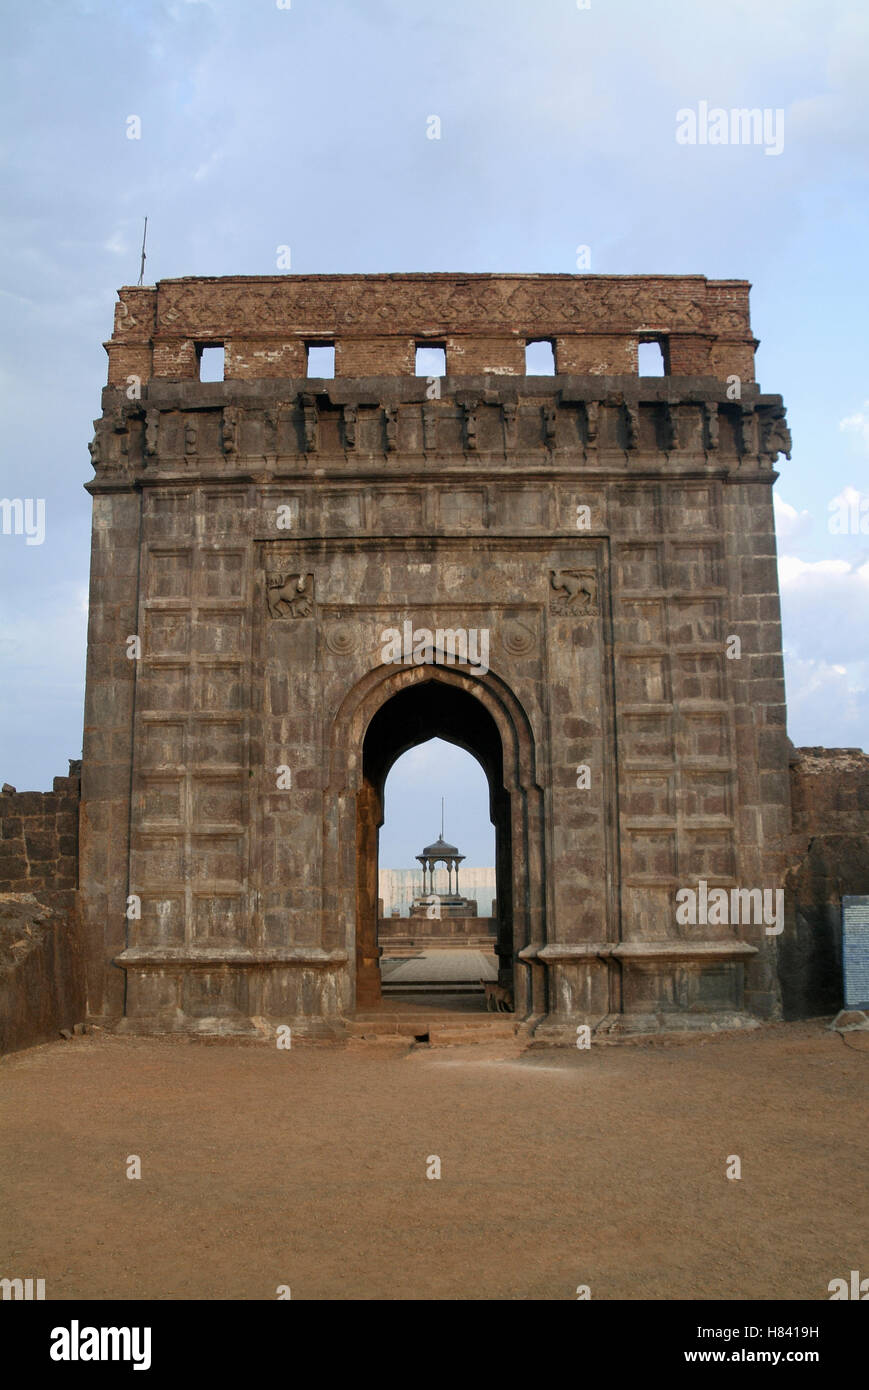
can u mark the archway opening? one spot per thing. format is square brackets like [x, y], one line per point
[437, 910]
[417, 955]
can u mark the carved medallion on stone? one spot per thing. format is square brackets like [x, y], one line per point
[574, 592]
[518, 638]
[289, 595]
[341, 638]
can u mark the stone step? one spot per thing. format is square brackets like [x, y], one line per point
[434, 1029]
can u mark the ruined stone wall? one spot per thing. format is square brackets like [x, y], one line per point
[39, 840]
[42, 983]
[828, 858]
[42, 978]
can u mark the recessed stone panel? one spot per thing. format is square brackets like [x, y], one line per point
[219, 687]
[162, 921]
[220, 574]
[218, 918]
[651, 852]
[703, 735]
[340, 513]
[646, 737]
[706, 793]
[163, 687]
[695, 566]
[161, 744]
[706, 854]
[161, 799]
[642, 679]
[648, 912]
[639, 566]
[167, 632]
[217, 800]
[695, 620]
[635, 511]
[462, 510]
[648, 794]
[169, 514]
[641, 621]
[169, 573]
[155, 860]
[698, 676]
[692, 508]
[217, 857]
[218, 634]
[215, 992]
[521, 508]
[224, 513]
[217, 743]
[396, 512]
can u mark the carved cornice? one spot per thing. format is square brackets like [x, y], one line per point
[428, 305]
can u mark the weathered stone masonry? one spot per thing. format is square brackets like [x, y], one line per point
[260, 533]
[42, 986]
[828, 858]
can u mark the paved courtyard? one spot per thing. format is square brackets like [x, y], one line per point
[308, 1168]
[440, 967]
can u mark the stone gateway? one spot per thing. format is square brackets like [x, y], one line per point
[576, 576]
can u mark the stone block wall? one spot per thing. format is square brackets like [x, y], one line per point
[42, 987]
[39, 841]
[828, 858]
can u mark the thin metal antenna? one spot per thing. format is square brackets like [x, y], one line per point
[442, 818]
[142, 266]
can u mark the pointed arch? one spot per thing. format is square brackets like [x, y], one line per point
[391, 709]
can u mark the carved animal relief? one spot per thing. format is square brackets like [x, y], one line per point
[574, 592]
[289, 595]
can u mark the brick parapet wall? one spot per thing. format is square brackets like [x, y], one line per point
[39, 841]
[594, 322]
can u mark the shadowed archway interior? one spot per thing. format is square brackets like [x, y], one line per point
[431, 709]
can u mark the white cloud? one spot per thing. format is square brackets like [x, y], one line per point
[828, 704]
[789, 523]
[859, 424]
[792, 570]
[824, 607]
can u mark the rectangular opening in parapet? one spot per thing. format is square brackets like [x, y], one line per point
[652, 357]
[211, 362]
[540, 357]
[321, 360]
[431, 359]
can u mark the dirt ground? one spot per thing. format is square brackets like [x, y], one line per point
[559, 1168]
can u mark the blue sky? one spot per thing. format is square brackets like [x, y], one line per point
[263, 126]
